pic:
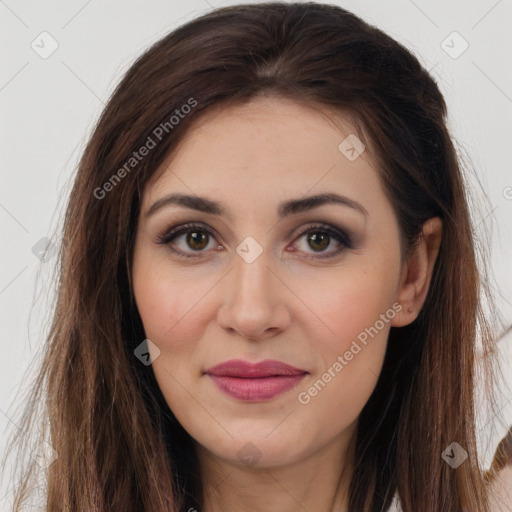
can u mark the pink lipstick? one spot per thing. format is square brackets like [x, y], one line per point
[255, 382]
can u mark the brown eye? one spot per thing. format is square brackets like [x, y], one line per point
[197, 240]
[188, 240]
[318, 241]
[323, 241]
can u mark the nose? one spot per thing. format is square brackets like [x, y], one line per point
[254, 302]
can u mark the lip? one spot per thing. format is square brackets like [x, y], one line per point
[255, 382]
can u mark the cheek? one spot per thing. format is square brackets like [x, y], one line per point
[172, 312]
[168, 304]
[346, 304]
[357, 307]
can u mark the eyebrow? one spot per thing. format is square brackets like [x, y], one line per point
[290, 207]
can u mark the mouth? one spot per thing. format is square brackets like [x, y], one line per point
[255, 382]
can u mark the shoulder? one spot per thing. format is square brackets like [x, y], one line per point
[395, 505]
[500, 491]
[500, 487]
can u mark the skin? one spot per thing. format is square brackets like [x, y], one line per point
[285, 305]
[501, 491]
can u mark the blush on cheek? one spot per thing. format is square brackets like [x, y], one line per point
[171, 320]
[360, 338]
[159, 310]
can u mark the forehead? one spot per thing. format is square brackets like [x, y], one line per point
[268, 148]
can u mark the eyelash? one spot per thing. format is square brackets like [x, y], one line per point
[166, 238]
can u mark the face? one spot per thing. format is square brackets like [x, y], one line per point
[296, 296]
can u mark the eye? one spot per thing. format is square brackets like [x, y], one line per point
[320, 237]
[195, 237]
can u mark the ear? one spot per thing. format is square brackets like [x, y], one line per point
[417, 272]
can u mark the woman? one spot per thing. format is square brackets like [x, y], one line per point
[268, 295]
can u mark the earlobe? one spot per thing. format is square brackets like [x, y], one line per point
[417, 272]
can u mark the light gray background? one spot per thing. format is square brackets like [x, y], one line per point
[48, 107]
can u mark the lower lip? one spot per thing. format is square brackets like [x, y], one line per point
[256, 389]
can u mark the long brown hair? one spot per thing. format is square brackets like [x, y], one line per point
[119, 446]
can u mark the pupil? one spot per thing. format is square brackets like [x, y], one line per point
[321, 239]
[196, 240]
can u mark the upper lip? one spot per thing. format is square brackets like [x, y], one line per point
[247, 369]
